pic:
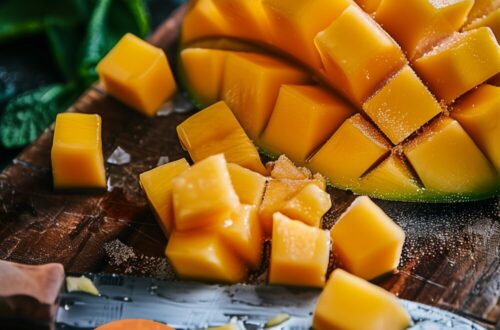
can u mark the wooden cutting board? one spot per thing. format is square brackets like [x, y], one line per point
[450, 259]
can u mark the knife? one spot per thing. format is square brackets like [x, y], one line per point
[193, 305]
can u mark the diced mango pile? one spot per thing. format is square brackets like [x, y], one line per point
[389, 98]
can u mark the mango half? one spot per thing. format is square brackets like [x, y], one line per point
[385, 98]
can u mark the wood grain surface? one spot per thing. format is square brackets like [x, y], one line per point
[450, 259]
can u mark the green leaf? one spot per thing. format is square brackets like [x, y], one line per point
[20, 17]
[28, 114]
[65, 42]
[110, 20]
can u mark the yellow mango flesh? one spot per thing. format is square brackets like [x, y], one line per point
[203, 70]
[248, 185]
[352, 48]
[284, 168]
[357, 144]
[457, 65]
[299, 253]
[203, 195]
[203, 255]
[303, 118]
[361, 61]
[137, 74]
[479, 114]
[391, 178]
[453, 170]
[366, 240]
[308, 205]
[369, 6]
[277, 193]
[157, 184]
[402, 106]
[77, 160]
[198, 136]
[251, 85]
[351, 303]
[295, 23]
[203, 19]
[492, 20]
[243, 234]
[417, 25]
[247, 18]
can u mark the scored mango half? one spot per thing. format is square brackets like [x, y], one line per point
[392, 99]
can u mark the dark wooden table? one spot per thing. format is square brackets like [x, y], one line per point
[450, 259]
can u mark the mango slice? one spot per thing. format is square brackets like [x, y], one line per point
[418, 25]
[248, 185]
[244, 235]
[299, 253]
[458, 64]
[202, 255]
[366, 240]
[251, 85]
[196, 206]
[278, 83]
[295, 23]
[157, 184]
[308, 205]
[77, 160]
[303, 118]
[138, 74]
[349, 302]
[358, 144]
[201, 140]
[402, 106]
[203, 70]
[479, 114]
[353, 66]
[471, 171]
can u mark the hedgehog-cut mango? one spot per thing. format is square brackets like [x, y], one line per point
[357, 90]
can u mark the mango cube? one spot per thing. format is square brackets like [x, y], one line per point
[308, 205]
[243, 234]
[203, 20]
[138, 74]
[249, 185]
[251, 85]
[284, 168]
[349, 302]
[391, 178]
[479, 114]
[246, 18]
[198, 136]
[358, 144]
[304, 117]
[354, 67]
[202, 255]
[203, 71]
[277, 193]
[492, 20]
[299, 253]
[366, 240]
[157, 184]
[460, 63]
[453, 170]
[294, 23]
[77, 160]
[402, 106]
[369, 6]
[420, 24]
[203, 195]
